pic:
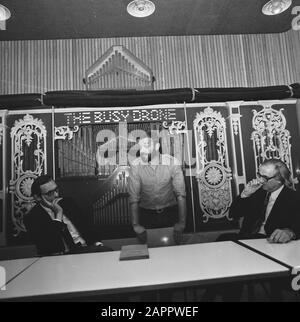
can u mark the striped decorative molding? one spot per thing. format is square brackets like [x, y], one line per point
[177, 61]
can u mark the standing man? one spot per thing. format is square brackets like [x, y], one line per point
[156, 189]
[49, 222]
[269, 206]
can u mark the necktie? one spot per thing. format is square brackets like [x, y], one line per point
[262, 216]
[265, 206]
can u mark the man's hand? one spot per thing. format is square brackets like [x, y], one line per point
[178, 229]
[141, 233]
[250, 188]
[57, 208]
[281, 236]
[54, 206]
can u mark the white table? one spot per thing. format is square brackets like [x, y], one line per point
[174, 266]
[15, 267]
[288, 254]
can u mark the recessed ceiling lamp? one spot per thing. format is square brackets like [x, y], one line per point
[4, 13]
[141, 8]
[275, 7]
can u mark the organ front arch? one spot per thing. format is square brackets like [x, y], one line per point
[220, 144]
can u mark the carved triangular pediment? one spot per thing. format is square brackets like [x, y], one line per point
[119, 68]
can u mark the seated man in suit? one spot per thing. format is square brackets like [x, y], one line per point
[156, 191]
[50, 223]
[268, 205]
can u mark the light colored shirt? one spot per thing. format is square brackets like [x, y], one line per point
[156, 186]
[72, 229]
[273, 197]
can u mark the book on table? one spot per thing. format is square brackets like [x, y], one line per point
[130, 252]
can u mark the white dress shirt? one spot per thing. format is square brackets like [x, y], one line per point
[273, 197]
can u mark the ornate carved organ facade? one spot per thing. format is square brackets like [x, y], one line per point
[88, 149]
[221, 146]
[212, 163]
[28, 161]
[270, 136]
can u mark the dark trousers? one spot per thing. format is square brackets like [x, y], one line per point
[166, 217]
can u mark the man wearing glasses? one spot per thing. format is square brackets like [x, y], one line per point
[270, 209]
[49, 222]
[268, 205]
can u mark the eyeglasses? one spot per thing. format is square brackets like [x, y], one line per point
[51, 193]
[266, 179]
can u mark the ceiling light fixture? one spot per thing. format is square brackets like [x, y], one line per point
[4, 13]
[275, 7]
[141, 8]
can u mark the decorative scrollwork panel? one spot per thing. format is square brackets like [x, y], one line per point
[28, 161]
[270, 137]
[175, 130]
[212, 170]
[65, 132]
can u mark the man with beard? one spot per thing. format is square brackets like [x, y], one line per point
[156, 191]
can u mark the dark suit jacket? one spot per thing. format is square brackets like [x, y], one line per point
[46, 233]
[284, 214]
